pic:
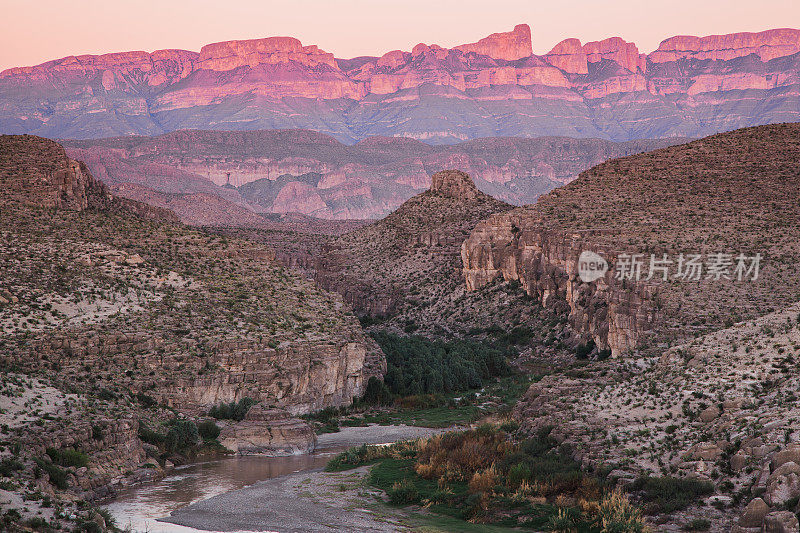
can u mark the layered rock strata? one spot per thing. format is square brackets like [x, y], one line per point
[688, 87]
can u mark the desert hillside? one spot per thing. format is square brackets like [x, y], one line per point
[702, 384]
[731, 194]
[116, 318]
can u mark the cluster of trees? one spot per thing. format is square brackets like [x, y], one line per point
[416, 365]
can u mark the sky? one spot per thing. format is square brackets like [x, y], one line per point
[32, 32]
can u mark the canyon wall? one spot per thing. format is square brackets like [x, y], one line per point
[616, 315]
[299, 377]
[688, 87]
[225, 177]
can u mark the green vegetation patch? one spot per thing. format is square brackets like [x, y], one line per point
[68, 457]
[416, 365]
[483, 477]
[233, 410]
[669, 494]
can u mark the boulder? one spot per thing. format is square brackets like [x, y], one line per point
[134, 260]
[753, 515]
[709, 414]
[790, 453]
[706, 451]
[738, 461]
[272, 432]
[783, 484]
[781, 522]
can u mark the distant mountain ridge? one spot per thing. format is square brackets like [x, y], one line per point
[283, 171]
[688, 87]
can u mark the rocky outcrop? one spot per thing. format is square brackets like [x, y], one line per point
[604, 89]
[113, 445]
[299, 377]
[783, 485]
[767, 45]
[781, 522]
[615, 316]
[454, 184]
[37, 172]
[510, 46]
[407, 260]
[270, 432]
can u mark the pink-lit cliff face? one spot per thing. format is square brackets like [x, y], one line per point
[493, 87]
[34, 32]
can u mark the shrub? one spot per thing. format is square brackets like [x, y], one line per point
[68, 457]
[208, 430]
[149, 436]
[146, 401]
[698, 524]
[669, 494]
[364, 454]
[8, 466]
[509, 426]
[562, 522]
[403, 493]
[483, 481]
[583, 350]
[233, 410]
[182, 435]
[615, 514]
[58, 476]
[376, 393]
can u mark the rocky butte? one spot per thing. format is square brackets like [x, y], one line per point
[688, 87]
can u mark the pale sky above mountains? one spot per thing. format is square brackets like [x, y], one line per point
[34, 32]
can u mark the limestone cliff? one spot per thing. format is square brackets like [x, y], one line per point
[299, 377]
[124, 305]
[545, 261]
[702, 198]
[603, 89]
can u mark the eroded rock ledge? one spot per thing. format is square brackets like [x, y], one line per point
[616, 315]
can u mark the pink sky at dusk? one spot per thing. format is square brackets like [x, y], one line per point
[34, 32]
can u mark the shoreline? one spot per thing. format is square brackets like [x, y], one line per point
[306, 500]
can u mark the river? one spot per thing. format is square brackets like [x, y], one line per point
[140, 507]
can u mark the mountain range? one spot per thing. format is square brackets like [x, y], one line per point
[234, 177]
[688, 87]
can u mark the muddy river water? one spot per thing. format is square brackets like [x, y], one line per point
[139, 507]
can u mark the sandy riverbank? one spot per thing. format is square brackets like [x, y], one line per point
[356, 436]
[307, 501]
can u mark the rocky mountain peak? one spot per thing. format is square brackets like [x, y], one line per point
[455, 184]
[509, 46]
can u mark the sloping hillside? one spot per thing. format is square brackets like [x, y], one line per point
[733, 193]
[703, 388]
[113, 313]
